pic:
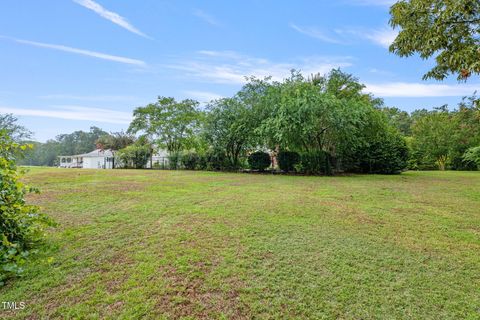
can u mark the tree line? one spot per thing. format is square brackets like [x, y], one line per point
[326, 123]
[314, 125]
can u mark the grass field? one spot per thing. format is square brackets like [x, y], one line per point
[179, 244]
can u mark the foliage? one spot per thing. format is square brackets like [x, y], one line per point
[446, 30]
[78, 142]
[322, 114]
[172, 124]
[315, 162]
[229, 125]
[8, 122]
[287, 160]
[441, 137]
[215, 159]
[386, 153]
[136, 155]
[21, 224]
[399, 119]
[259, 160]
[174, 160]
[190, 160]
[472, 156]
[115, 141]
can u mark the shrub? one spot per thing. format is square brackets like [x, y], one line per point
[190, 160]
[174, 160]
[21, 225]
[315, 162]
[387, 153]
[135, 156]
[287, 160]
[259, 160]
[215, 159]
[471, 157]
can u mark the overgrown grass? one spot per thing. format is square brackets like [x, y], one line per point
[178, 244]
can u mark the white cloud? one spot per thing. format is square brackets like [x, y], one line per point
[83, 52]
[111, 16]
[418, 90]
[74, 113]
[231, 67]
[316, 33]
[206, 17]
[383, 37]
[87, 98]
[203, 96]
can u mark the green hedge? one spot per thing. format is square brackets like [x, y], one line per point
[259, 160]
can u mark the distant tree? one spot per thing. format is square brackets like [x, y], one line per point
[399, 119]
[446, 30]
[115, 140]
[9, 123]
[172, 124]
[79, 141]
[45, 154]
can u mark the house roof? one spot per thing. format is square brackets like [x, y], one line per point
[94, 153]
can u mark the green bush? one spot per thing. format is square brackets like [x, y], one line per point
[259, 160]
[315, 162]
[287, 160]
[174, 160]
[135, 156]
[21, 225]
[215, 160]
[190, 160]
[471, 157]
[387, 153]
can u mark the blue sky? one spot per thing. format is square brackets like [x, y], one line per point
[67, 65]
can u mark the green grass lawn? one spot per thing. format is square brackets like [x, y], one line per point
[178, 244]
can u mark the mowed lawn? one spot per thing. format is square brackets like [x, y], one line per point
[137, 244]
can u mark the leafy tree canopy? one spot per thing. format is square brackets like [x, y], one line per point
[9, 123]
[173, 124]
[446, 30]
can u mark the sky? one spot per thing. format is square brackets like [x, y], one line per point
[71, 64]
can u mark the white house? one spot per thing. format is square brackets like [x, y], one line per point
[97, 159]
[105, 159]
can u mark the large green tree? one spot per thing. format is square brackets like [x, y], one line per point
[173, 124]
[448, 30]
[229, 126]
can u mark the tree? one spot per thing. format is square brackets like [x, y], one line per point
[21, 224]
[8, 122]
[446, 30]
[229, 125]
[323, 115]
[441, 137]
[399, 119]
[115, 140]
[79, 142]
[173, 124]
[433, 137]
[136, 155]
